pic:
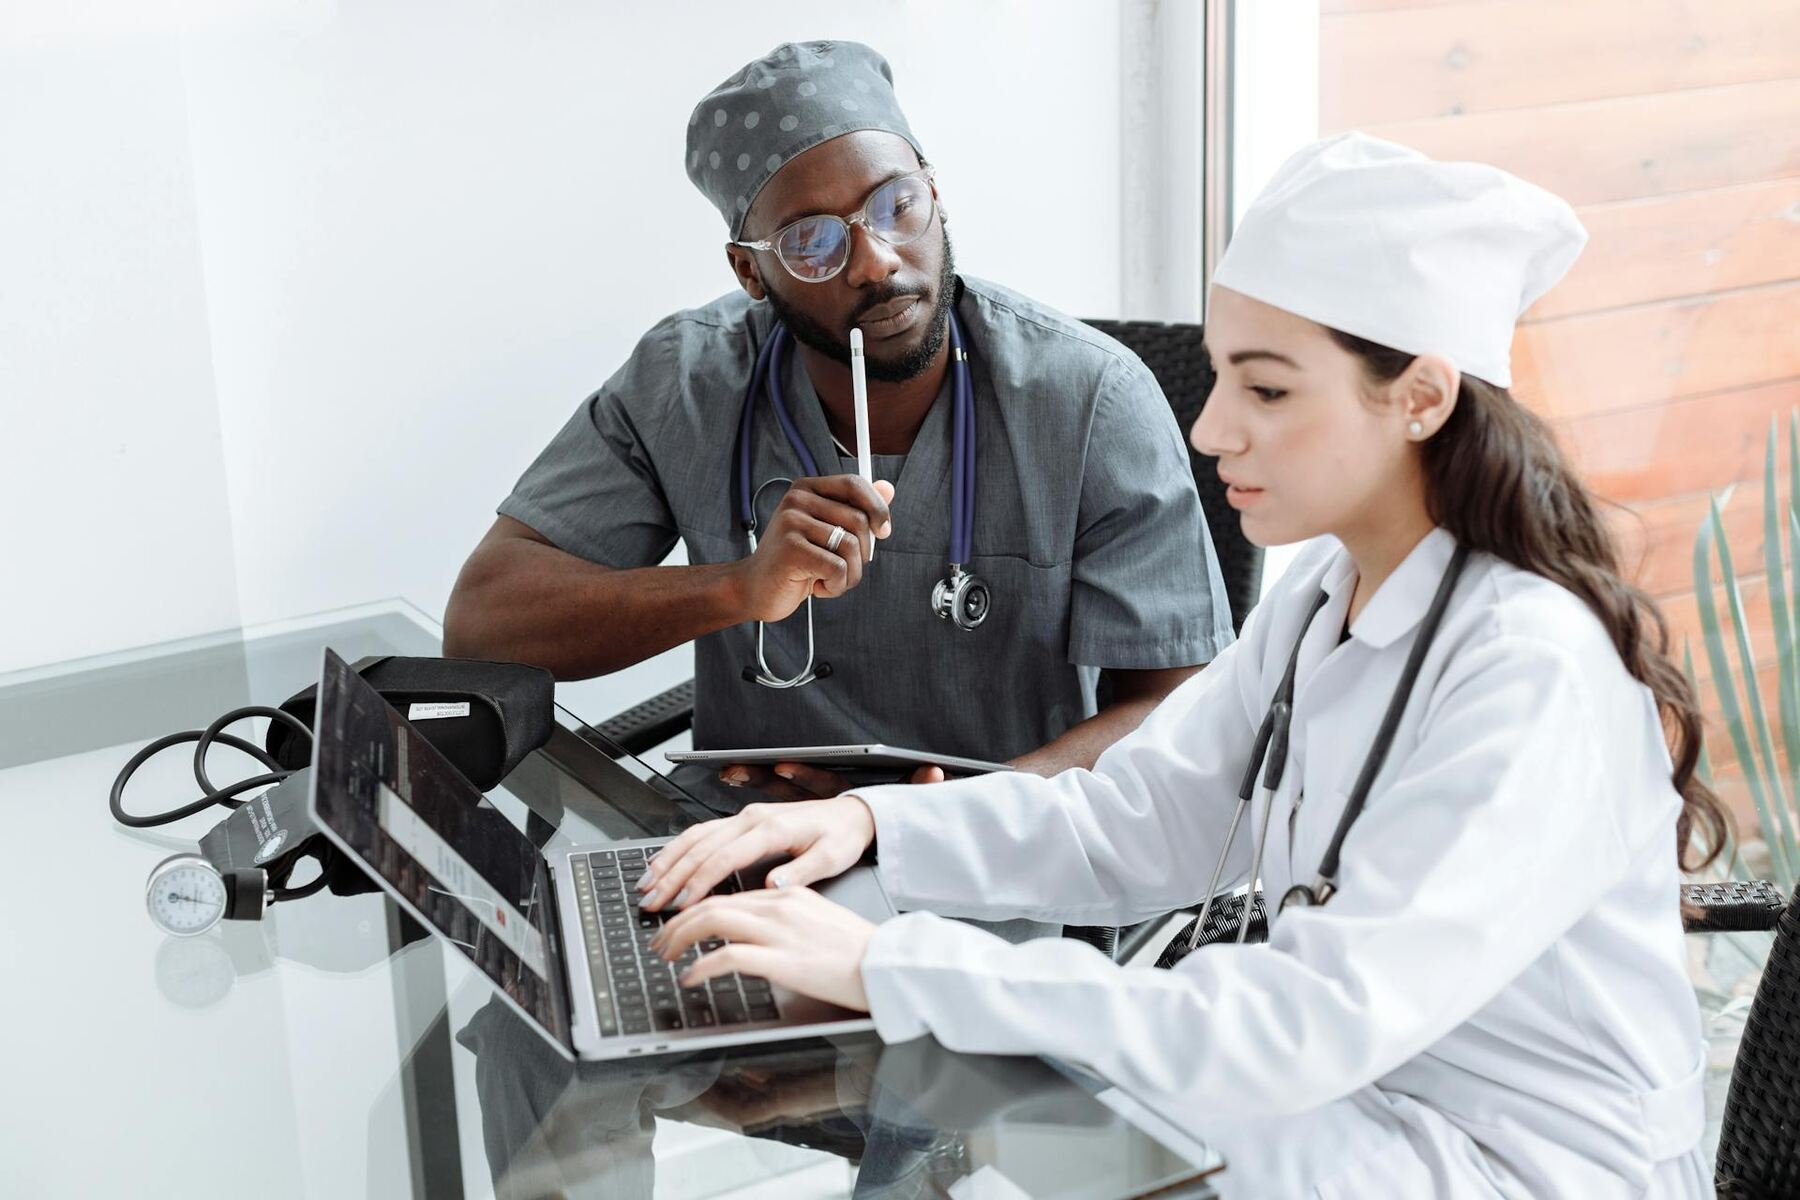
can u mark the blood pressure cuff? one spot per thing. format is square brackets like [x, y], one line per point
[275, 832]
[485, 716]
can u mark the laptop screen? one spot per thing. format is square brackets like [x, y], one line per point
[424, 831]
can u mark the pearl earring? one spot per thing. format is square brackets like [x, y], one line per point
[1416, 428]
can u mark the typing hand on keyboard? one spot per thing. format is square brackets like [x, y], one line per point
[792, 936]
[635, 989]
[823, 837]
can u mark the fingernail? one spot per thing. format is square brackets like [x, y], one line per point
[653, 898]
[779, 881]
[737, 775]
[643, 885]
[684, 977]
[681, 897]
[887, 527]
[785, 772]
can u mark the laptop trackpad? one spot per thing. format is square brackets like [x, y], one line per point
[859, 890]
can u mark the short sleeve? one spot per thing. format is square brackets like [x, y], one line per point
[594, 490]
[1146, 587]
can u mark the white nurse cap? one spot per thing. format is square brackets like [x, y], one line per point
[1426, 257]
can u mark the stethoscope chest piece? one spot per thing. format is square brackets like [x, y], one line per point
[1303, 896]
[961, 599]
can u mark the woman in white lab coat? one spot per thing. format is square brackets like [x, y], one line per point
[1492, 1001]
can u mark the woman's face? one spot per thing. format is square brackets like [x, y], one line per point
[1306, 446]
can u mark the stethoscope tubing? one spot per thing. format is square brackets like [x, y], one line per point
[771, 358]
[1390, 720]
[962, 484]
[1268, 757]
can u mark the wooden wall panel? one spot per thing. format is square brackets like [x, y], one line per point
[1382, 66]
[1693, 445]
[1673, 126]
[1656, 540]
[1607, 150]
[1664, 247]
[1655, 353]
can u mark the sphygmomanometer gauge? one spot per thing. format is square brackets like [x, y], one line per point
[186, 895]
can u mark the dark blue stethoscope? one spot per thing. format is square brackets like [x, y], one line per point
[960, 598]
[1269, 759]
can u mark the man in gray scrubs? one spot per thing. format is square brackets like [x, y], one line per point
[1087, 528]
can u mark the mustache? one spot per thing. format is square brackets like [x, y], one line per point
[885, 296]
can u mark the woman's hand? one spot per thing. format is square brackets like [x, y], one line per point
[823, 837]
[791, 936]
[801, 781]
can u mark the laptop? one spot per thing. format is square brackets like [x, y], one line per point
[559, 934]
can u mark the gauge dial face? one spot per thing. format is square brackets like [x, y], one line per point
[186, 896]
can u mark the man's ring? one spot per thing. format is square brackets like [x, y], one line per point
[837, 535]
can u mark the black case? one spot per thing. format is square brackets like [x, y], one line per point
[511, 711]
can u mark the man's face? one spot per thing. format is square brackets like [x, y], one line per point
[899, 295]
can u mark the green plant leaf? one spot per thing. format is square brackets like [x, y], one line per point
[1725, 686]
[1755, 954]
[1793, 499]
[1788, 672]
[1775, 529]
[1734, 865]
[1759, 721]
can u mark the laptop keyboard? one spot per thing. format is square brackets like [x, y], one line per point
[634, 989]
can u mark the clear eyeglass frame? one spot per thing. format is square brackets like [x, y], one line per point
[862, 218]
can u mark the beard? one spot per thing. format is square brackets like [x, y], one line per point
[898, 368]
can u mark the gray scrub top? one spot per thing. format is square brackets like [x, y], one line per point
[1088, 530]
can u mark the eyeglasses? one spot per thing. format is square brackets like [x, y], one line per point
[816, 248]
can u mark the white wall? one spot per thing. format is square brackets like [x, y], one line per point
[1275, 111]
[344, 269]
[113, 521]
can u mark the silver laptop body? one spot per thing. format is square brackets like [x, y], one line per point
[558, 936]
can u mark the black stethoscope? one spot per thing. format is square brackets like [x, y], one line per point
[960, 598]
[1269, 758]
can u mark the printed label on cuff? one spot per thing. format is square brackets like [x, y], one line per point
[431, 711]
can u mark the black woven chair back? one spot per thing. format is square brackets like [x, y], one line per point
[1175, 356]
[1759, 1142]
[1221, 926]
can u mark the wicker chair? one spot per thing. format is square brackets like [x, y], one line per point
[1759, 1140]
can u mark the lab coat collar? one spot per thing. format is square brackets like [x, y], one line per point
[1403, 597]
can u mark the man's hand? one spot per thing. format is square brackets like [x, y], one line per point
[801, 781]
[791, 560]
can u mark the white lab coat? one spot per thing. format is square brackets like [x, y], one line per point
[1494, 1003]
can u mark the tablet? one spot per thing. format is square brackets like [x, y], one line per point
[867, 756]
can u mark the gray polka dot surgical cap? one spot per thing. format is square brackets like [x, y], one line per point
[780, 106]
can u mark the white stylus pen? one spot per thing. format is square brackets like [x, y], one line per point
[859, 388]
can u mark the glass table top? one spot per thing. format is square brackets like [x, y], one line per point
[334, 1049]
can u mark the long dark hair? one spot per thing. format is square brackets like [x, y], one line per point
[1495, 479]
